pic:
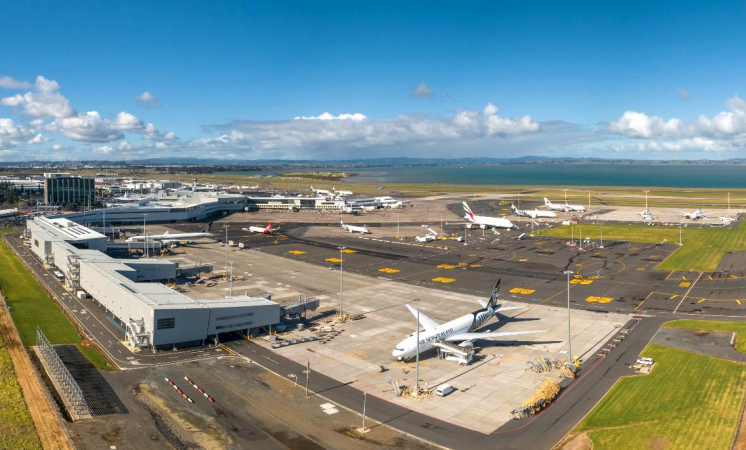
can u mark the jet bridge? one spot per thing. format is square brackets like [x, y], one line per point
[461, 354]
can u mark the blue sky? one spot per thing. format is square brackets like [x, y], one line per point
[227, 79]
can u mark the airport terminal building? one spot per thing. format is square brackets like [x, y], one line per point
[149, 313]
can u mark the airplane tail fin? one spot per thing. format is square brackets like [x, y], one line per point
[165, 233]
[207, 227]
[495, 293]
[513, 208]
[546, 201]
[341, 222]
[468, 210]
[269, 226]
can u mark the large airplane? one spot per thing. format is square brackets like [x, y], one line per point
[485, 222]
[354, 228]
[534, 214]
[461, 330]
[566, 207]
[167, 237]
[341, 193]
[696, 215]
[266, 230]
[647, 215]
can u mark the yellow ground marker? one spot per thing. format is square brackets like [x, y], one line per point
[575, 281]
[475, 266]
[444, 280]
[523, 260]
[389, 270]
[297, 252]
[709, 277]
[672, 297]
[522, 291]
[640, 269]
[599, 299]
[462, 264]
[594, 277]
[702, 300]
[683, 277]
[446, 266]
[685, 284]
[586, 282]
[738, 301]
[333, 260]
[577, 276]
[349, 250]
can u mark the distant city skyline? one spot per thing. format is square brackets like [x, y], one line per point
[264, 80]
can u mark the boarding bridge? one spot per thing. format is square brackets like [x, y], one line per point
[137, 336]
[73, 271]
[460, 354]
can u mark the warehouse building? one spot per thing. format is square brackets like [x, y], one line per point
[150, 313]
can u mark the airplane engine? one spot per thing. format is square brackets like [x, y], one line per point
[469, 226]
[484, 227]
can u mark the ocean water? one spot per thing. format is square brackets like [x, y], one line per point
[692, 176]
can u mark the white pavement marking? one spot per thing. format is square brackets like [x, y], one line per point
[687, 292]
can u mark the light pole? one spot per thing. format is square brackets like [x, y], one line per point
[147, 252]
[231, 280]
[572, 235]
[580, 232]
[365, 400]
[341, 283]
[680, 242]
[308, 374]
[569, 336]
[602, 235]
[417, 362]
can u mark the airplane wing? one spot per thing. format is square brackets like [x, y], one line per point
[425, 321]
[477, 336]
[510, 308]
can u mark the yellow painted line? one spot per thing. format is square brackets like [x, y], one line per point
[444, 280]
[702, 300]
[349, 250]
[577, 276]
[640, 269]
[599, 299]
[389, 270]
[462, 264]
[685, 284]
[334, 260]
[738, 301]
[445, 266]
[586, 281]
[672, 297]
[297, 252]
[576, 281]
[476, 266]
[522, 291]
[523, 260]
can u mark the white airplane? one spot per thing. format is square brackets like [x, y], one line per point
[321, 192]
[647, 215]
[354, 228]
[430, 237]
[534, 214]
[168, 238]
[457, 330]
[395, 205]
[727, 219]
[696, 215]
[341, 193]
[566, 207]
[485, 222]
[266, 230]
[253, 188]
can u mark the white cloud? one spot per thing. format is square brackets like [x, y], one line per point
[146, 96]
[56, 147]
[126, 121]
[44, 101]
[11, 130]
[358, 131]
[684, 95]
[38, 139]
[103, 150]
[422, 91]
[88, 127]
[12, 83]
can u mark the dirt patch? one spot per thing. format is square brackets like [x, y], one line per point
[659, 443]
[182, 429]
[577, 442]
[48, 427]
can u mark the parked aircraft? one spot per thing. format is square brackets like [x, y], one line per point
[430, 237]
[534, 214]
[168, 238]
[321, 192]
[354, 228]
[341, 193]
[566, 207]
[696, 215]
[647, 215]
[266, 230]
[462, 329]
[484, 221]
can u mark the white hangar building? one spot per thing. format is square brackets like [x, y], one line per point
[153, 314]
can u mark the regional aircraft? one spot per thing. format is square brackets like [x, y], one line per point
[341, 193]
[457, 330]
[321, 192]
[566, 207]
[429, 237]
[168, 238]
[266, 230]
[647, 215]
[485, 222]
[534, 214]
[354, 228]
[696, 215]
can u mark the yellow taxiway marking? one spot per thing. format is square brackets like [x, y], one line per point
[297, 252]
[672, 297]
[586, 282]
[640, 268]
[738, 301]
[685, 284]
[522, 291]
[523, 260]
[389, 270]
[701, 300]
[445, 266]
[349, 250]
[334, 260]
[599, 299]
[444, 280]
[475, 266]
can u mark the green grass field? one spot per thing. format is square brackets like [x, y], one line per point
[738, 327]
[702, 250]
[31, 306]
[17, 429]
[689, 401]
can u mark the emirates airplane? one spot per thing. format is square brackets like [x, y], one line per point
[485, 222]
